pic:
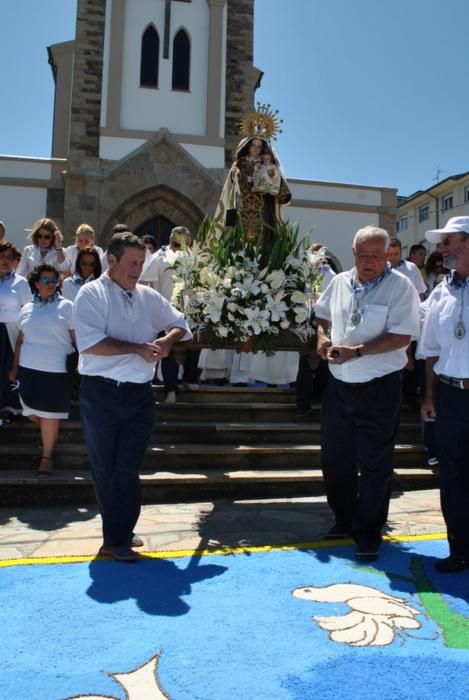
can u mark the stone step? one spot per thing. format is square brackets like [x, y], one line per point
[303, 431]
[198, 456]
[22, 487]
[243, 395]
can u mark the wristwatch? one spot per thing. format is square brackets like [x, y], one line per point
[358, 351]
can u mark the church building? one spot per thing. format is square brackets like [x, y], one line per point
[148, 100]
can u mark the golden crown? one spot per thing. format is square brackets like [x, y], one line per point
[263, 122]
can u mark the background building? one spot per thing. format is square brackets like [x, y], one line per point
[431, 208]
[148, 99]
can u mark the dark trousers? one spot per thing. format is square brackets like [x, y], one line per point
[170, 370]
[359, 424]
[7, 396]
[118, 422]
[452, 442]
[310, 383]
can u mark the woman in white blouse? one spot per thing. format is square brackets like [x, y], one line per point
[45, 340]
[14, 293]
[84, 238]
[87, 268]
[46, 247]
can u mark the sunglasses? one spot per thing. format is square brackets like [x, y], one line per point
[45, 238]
[49, 280]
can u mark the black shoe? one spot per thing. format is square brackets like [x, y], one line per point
[338, 532]
[302, 412]
[366, 554]
[367, 550]
[121, 553]
[451, 565]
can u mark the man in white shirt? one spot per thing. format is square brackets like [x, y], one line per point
[405, 267]
[157, 272]
[365, 320]
[413, 370]
[445, 345]
[117, 324]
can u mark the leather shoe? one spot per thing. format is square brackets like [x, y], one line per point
[120, 553]
[366, 556]
[367, 551]
[451, 565]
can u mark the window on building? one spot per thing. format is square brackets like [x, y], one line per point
[181, 61]
[424, 213]
[402, 224]
[149, 58]
[466, 193]
[447, 202]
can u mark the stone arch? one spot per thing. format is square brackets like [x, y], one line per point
[154, 201]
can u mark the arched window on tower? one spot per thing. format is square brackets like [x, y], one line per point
[149, 58]
[181, 61]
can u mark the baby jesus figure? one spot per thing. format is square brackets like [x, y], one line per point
[266, 177]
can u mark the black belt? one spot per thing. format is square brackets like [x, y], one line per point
[115, 382]
[457, 383]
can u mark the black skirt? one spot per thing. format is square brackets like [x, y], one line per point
[47, 394]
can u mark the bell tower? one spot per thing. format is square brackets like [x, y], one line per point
[142, 69]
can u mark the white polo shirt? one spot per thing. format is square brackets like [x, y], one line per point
[103, 309]
[442, 311]
[392, 306]
[411, 271]
[14, 293]
[46, 328]
[158, 272]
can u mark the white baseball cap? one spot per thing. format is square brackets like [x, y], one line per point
[457, 224]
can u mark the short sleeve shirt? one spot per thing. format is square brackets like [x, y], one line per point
[14, 293]
[411, 271]
[103, 309]
[46, 329]
[442, 312]
[392, 306]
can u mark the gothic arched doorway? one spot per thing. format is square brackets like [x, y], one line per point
[159, 227]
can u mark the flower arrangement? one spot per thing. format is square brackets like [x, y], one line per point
[234, 293]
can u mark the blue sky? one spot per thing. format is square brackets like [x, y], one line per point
[370, 91]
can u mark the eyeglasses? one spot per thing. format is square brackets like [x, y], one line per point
[45, 238]
[447, 240]
[49, 280]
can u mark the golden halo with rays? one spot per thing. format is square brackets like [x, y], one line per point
[263, 122]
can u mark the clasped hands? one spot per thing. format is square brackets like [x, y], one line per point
[335, 354]
[151, 352]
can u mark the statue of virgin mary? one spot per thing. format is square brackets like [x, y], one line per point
[255, 186]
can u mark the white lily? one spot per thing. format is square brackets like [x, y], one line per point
[276, 306]
[256, 319]
[214, 309]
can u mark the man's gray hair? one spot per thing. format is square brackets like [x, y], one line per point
[367, 233]
[120, 241]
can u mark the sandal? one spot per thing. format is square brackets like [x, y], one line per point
[45, 468]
